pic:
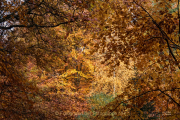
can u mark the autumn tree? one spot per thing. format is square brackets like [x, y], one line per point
[52, 35]
[147, 32]
[28, 34]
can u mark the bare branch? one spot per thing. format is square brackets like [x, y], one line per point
[35, 25]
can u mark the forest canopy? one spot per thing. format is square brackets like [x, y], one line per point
[89, 59]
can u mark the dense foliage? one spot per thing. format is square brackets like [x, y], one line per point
[89, 59]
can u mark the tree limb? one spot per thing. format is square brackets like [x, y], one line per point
[164, 35]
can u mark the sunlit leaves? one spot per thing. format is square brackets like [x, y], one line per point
[45, 45]
[33, 52]
[147, 32]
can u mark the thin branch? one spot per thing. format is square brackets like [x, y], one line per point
[163, 92]
[35, 25]
[152, 38]
[132, 99]
[164, 35]
[170, 97]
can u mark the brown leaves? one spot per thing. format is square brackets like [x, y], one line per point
[50, 51]
[148, 42]
[143, 34]
[145, 40]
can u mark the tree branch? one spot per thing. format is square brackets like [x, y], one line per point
[152, 38]
[170, 97]
[164, 35]
[163, 92]
[35, 25]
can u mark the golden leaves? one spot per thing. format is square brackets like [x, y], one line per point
[70, 72]
[152, 25]
[124, 31]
